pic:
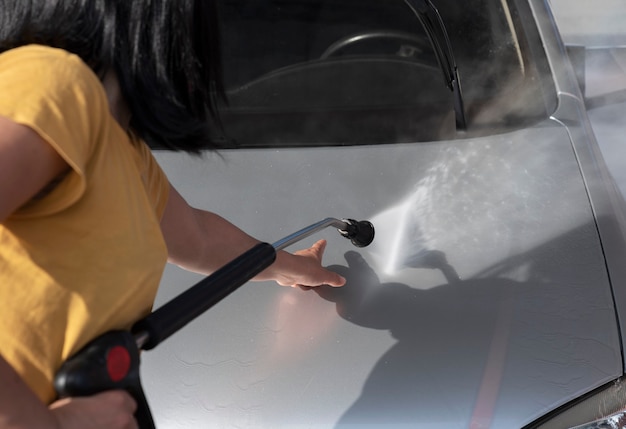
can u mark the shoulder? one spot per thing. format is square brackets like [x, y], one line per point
[46, 87]
[57, 95]
[33, 56]
[38, 68]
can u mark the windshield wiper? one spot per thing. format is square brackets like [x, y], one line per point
[430, 19]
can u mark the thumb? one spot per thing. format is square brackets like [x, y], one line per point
[317, 250]
[333, 279]
[326, 277]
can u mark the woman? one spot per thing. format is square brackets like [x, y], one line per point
[87, 217]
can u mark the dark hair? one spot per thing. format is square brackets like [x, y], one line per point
[166, 55]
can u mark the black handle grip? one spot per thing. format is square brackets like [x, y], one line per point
[181, 310]
[111, 361]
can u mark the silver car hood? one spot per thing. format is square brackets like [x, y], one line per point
[484, 300]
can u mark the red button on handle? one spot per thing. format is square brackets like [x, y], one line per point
[118, 363]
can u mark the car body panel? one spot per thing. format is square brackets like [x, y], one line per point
[466, 297]
[484, 301]
[598, 29]
[604, 194]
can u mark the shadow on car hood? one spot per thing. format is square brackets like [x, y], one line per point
[483, 301]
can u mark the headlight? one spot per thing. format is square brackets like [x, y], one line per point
[604, 408]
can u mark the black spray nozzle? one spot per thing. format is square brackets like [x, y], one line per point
[360, 233]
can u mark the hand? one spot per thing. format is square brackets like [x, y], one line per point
[304, 268]
[109, 410]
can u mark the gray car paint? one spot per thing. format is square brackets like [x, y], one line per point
[604, 195]
[483, 302]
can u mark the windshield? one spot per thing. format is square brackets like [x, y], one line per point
[335, 72]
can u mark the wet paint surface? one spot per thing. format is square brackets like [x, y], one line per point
[483, 302]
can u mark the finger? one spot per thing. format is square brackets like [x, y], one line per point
[129, 402]
[331, 279]
[120, 399]
[335, 280]
[318, 248]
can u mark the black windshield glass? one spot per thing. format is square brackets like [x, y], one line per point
[333, 72]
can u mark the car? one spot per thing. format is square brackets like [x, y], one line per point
[494, 292]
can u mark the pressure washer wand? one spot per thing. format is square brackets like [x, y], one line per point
[172, 316]
[111, 361]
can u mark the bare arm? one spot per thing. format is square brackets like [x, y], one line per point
[27, 165]
[202, 241]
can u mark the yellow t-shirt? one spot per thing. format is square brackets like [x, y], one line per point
[88, 256]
